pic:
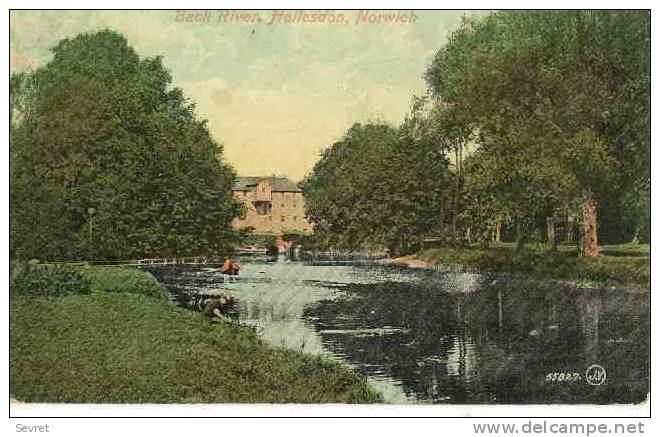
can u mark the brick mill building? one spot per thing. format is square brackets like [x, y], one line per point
[273, 205]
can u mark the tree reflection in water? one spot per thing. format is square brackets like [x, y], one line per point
[439, 337]
[495, 344]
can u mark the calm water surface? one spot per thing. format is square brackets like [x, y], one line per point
[428, 336]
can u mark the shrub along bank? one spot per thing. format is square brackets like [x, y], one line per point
[620, 264]
[123, 280]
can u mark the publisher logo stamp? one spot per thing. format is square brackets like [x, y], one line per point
[595, 374]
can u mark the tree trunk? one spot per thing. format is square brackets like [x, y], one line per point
[460, 159]
[552, 242]
[520, 235]
[455, 206]
[570, 229]
[454, 218]
[589, 222]
[497, 231]
[635, 239]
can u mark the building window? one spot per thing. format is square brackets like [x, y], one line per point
[263, 208]
[295, 218]
[282, 218]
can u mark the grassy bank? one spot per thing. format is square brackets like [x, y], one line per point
[620, 264]
[111, 346]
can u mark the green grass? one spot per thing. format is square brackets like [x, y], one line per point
[110, 279]
[620, 264]
[110, 347]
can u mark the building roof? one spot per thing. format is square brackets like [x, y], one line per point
[245, 183]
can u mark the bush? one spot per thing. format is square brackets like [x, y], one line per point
[39, 280]
[294, 235]
[622, 269]
[123, 280]
[272, 249]
[248, 238]
[560, 264]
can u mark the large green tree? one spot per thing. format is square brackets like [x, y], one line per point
[560, 102]
[379, 186]
[109, 161]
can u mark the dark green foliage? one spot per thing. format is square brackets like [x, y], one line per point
[248, 238]
[108, 161]
[294, 235]
[559, 103]
[626, 215]
[550, 108]
[378, 187]
[619, 265]
[50, 280]
[127, 348]
[272, 250]
[38, 280]
[104, 279]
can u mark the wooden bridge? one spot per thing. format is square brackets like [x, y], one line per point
[164, 261]
[192, 260]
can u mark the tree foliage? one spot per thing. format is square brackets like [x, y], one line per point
[100, 138]
[560, 103]
[546, 114]
[379, 186]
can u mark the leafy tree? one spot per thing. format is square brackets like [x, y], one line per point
[550, 95]
[379, 186]
[108, 161]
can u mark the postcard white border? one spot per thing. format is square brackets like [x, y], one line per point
[171, 427]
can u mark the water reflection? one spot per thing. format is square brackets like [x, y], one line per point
[436, 337]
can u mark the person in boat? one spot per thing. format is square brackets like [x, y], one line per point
[229, 267]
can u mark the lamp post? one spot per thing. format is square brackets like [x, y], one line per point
[90, 211]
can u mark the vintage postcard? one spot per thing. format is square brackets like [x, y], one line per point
[426, 208]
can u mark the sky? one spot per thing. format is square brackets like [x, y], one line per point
[275, 92]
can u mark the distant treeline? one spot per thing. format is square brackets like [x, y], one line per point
[532, 118]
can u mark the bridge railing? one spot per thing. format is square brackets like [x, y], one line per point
[193, 260]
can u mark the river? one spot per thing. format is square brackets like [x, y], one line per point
[428, 336]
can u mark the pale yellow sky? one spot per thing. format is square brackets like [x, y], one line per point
[275, 95]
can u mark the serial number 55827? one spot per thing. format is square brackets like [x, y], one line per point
[562, 377]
